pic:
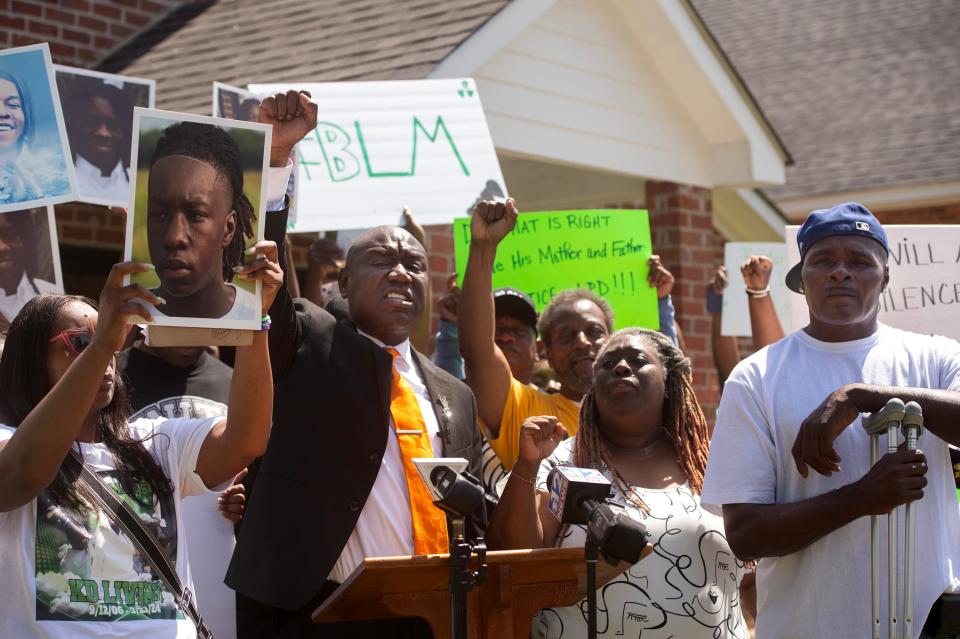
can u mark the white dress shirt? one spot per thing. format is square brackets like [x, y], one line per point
[10, 305]
[385, 527]
[113, 189]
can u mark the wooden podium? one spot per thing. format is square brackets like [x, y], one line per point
[518, 583]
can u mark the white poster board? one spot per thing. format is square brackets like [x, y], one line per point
[735, 319]
[924, 291]
[380, 146]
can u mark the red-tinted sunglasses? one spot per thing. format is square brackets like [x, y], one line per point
[76, 339]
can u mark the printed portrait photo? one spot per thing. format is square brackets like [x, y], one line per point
[35, 167]
[98, 112]
[239, 104]
[29, 259]
[198, 201]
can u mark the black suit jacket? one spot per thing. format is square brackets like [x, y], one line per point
[331, 421]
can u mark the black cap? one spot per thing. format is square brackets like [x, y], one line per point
[515, 303]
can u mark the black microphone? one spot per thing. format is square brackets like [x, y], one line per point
[579, 496]
[459, 493]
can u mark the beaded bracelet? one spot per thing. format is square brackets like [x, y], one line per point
[758, 293]
[265, 323]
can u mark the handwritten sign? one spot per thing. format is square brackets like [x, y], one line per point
[735, 319]
[924, 291]
[605, 251]
[380, 146]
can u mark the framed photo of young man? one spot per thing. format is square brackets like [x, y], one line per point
[196, 205]
[98, 109]
[35, 166]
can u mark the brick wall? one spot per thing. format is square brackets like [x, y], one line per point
[681, 220]
[81, 33]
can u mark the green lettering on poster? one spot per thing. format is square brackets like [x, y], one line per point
[605, 251]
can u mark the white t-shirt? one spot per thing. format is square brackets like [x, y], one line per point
[11, 304]
[688, 587]
[68, 575]
[824, 590]
[246, 306]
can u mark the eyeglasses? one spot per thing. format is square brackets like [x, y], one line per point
[75, 339]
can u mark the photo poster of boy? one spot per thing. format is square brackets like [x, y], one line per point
[198, 201]
[35, 166]
[29, 259]
[98, 108]
[239, 104]
[88, 570]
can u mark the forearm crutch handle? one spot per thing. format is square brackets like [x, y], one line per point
[912, 426]
[886, 420]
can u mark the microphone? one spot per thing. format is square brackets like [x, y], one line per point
[459, 493]
[579, 496]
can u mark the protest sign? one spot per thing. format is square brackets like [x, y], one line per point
[380, 146]
[605, 251]
[923, 295]
[735, 319]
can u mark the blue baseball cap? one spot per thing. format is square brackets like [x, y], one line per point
[848, 218]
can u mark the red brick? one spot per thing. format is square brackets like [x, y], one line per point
[39, 27]
[94, 24]
[440, 263]
[12, 22]
[109, 236]
[79, 5]
[72, 232]
[135, 18]
[120, 30]
[76, 36]
[26, 9]
[103, 43]
[56, 15]
[107, 11]
[62, 53]
[154, 8]
[86, 55]
[441, 244]
[20, 40]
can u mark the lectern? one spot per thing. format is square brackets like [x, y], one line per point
[518, 583]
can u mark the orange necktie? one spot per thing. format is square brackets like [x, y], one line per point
[429, 522]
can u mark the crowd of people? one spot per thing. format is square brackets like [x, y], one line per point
[305, 438]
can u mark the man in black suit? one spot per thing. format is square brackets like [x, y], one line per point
[331, 487]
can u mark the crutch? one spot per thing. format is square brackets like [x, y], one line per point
[888, 419]
[912, 429]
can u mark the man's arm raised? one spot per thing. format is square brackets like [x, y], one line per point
[488, 372]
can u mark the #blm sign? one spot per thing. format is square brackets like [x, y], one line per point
[924, 291]
[735, 319]
[380, 146]
[605, 251]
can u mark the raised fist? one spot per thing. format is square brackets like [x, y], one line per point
[756, 272]
[492, 221]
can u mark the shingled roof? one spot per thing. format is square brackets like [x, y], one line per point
[246, 41]
[866, 94]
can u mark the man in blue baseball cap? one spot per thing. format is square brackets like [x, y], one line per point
[794, 407]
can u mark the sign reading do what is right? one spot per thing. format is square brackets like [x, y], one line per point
[603, 250]
[923, 295]
[380, 146]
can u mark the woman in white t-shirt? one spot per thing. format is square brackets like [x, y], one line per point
[68, 570]
[642, 427]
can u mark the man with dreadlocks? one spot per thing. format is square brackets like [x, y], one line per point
[642, 427]
[198, 221]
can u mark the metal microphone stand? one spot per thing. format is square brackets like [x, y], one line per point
[592, 554]
[462, 579]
